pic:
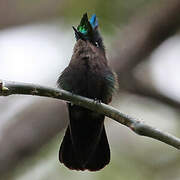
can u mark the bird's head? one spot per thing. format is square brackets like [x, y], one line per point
[88, 30]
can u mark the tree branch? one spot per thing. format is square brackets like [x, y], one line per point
[144, 34]
[9, 88]
[130, 83]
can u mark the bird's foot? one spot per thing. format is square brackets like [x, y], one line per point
[97, 101]
[71, 104]
[72, 92]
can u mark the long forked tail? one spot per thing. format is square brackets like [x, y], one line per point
[85, 144]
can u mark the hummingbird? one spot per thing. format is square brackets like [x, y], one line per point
[85, 145]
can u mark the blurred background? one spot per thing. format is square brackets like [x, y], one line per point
[143, 46]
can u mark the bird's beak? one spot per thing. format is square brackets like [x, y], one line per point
[78, 35]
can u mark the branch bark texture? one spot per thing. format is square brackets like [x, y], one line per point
[9, 88]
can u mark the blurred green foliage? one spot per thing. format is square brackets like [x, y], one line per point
[111, 13]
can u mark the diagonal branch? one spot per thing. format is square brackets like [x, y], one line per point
[142, 35]
[145, 33]
[146, 89]
[9, 88]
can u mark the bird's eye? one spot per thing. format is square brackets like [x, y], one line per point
[97, 45]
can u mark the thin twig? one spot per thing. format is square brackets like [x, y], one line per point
[10, 88]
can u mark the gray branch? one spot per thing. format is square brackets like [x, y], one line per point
[145, 33]
[9, 88]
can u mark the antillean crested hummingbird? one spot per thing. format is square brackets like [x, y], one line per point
[85, 144]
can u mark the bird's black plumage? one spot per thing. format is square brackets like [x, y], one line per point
[85, 144]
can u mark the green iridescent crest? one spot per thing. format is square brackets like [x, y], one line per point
[82, 30]
[85, 27]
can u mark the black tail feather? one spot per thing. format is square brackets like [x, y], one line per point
[85, 144]
[101, 156]
[66, 153]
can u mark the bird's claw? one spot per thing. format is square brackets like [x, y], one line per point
[71, 104]
[97, 101]
[2, 87]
